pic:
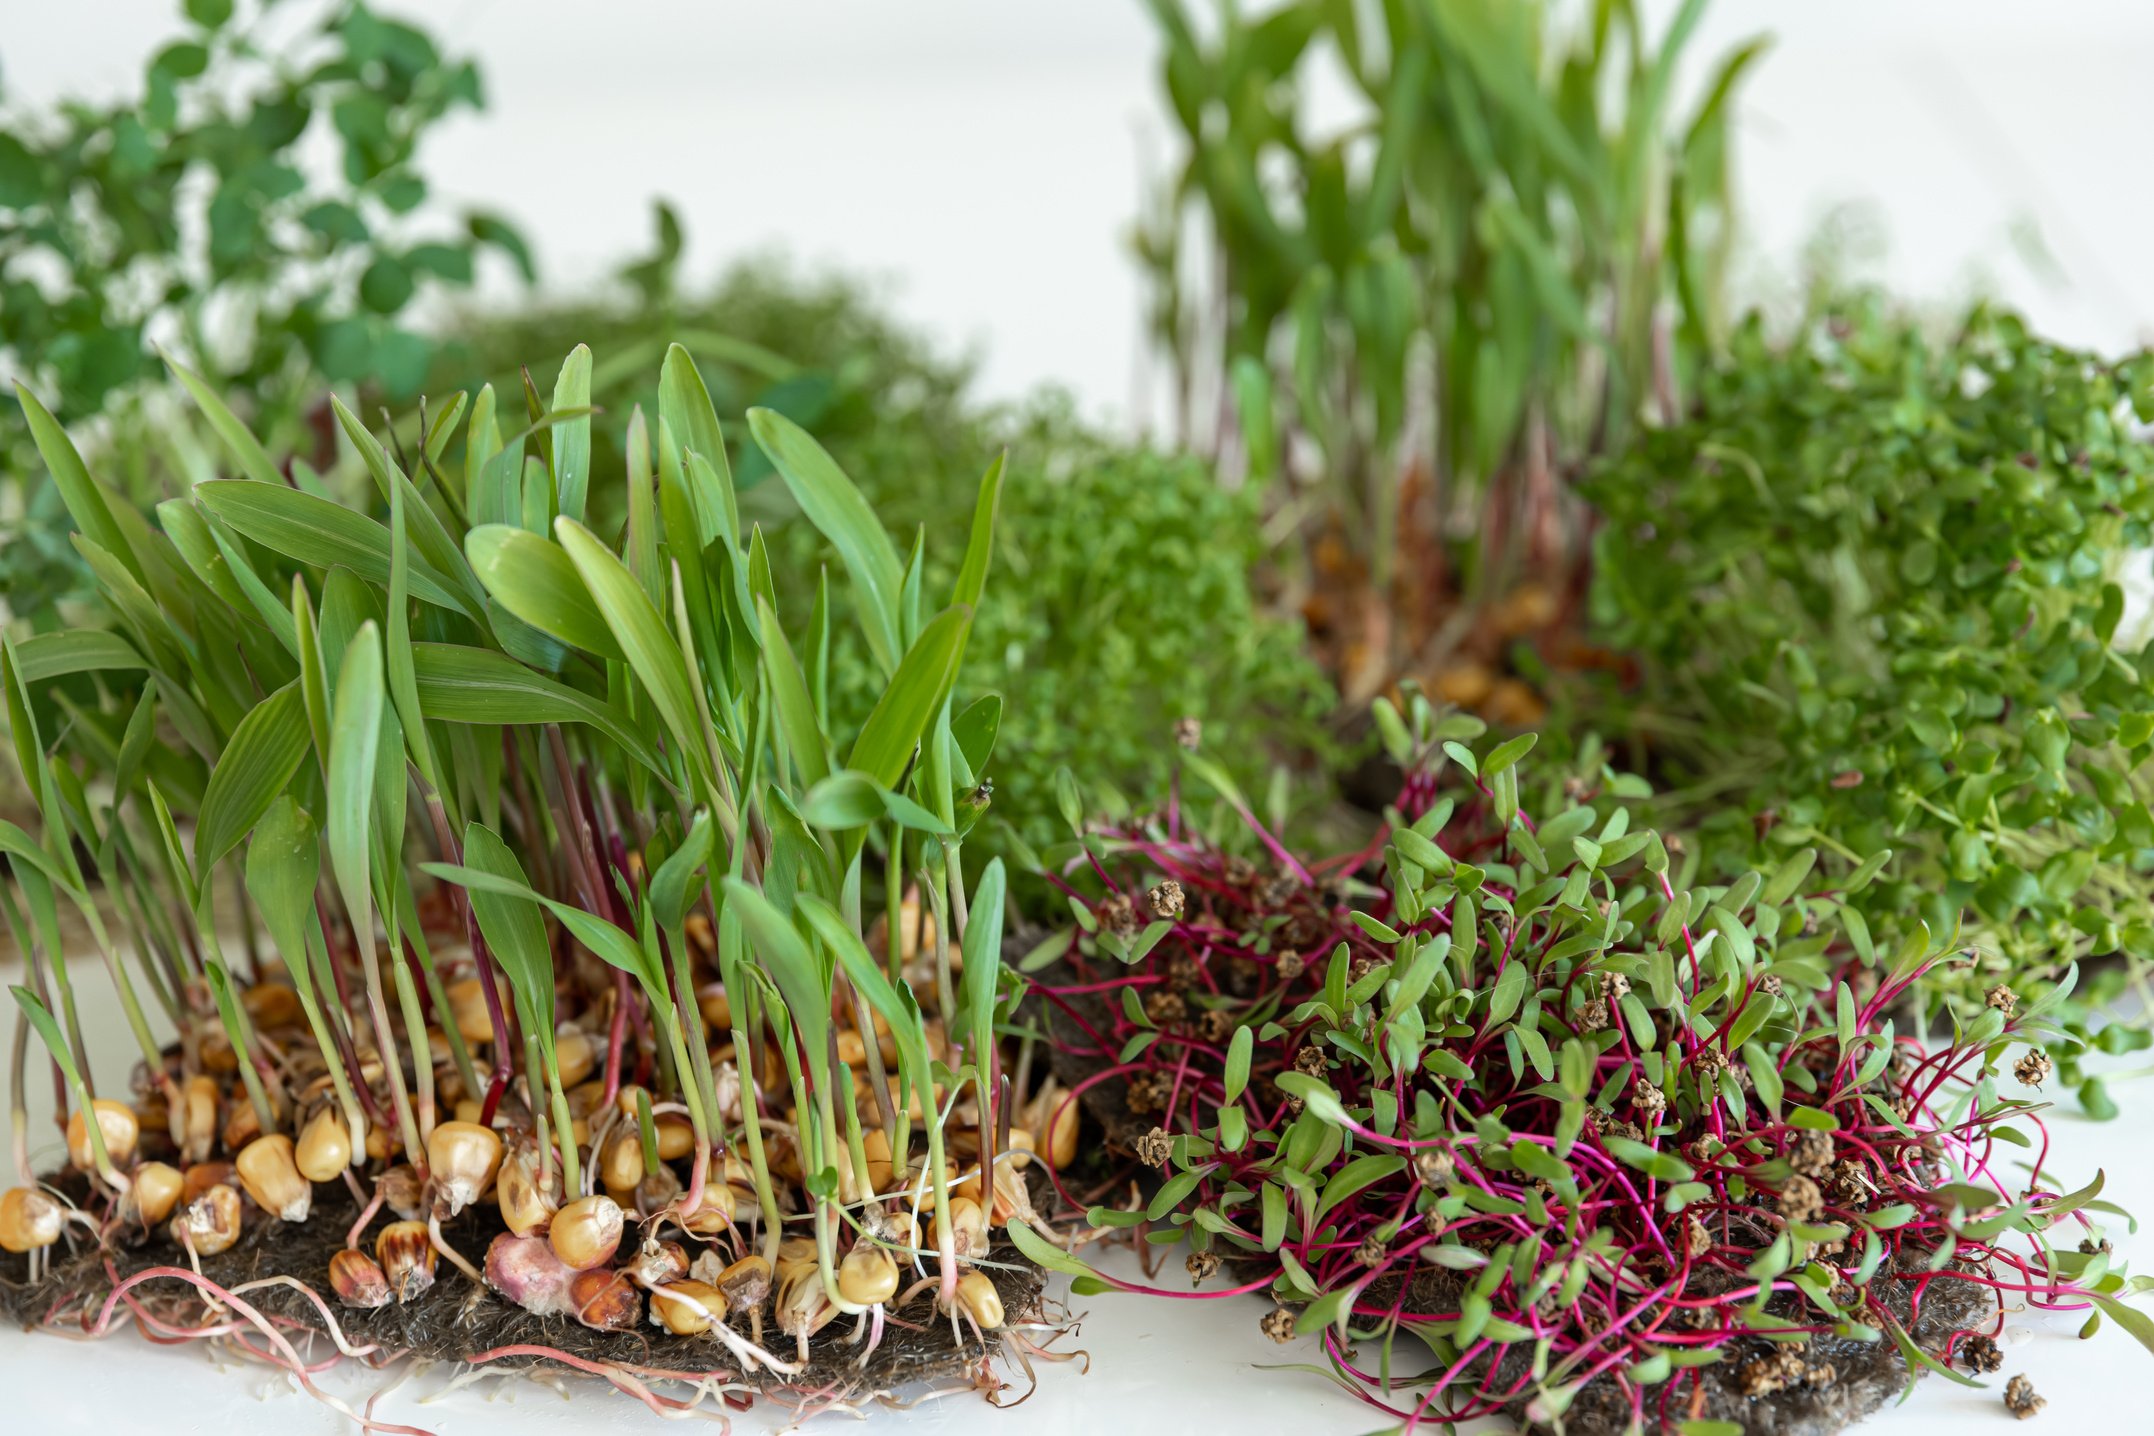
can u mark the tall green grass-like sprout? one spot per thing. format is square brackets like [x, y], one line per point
[1416, 322]
[1517, 1110]
[484, 862]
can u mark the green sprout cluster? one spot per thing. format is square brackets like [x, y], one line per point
[680, 901]
[1518, 1111]
[1873, 589]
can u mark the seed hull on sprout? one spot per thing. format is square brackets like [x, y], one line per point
[459, 1322]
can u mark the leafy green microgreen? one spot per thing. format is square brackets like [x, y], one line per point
[1594, 1051]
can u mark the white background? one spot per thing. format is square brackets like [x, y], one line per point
[982, 157]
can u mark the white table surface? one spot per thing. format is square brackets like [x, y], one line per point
[1156, 1366]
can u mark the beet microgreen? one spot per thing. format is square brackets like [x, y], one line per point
[1514, 1103]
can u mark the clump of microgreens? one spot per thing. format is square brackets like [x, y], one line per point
[1412, 263]
[1532, 1095]
[703, 1004]
[1873, 584]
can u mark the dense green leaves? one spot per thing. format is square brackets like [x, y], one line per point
[1872, 584]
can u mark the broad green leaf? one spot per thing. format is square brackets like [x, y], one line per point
[975, 730]
[85, 499]
[794, 705]
[284, 862]
[572, 438]
[835, 507]
[354, 747]
[866, 974]
[980, 550]
[537, 582]
[689, 420]
[648, 647]
[435, 548]
[257, 766]
[253, 459]
[514, 928]
[843, 800]
[457, 684]
[982, 947]
[915, 694]
[673, 884]
[784, 954]
[80, 650]
[320, 533]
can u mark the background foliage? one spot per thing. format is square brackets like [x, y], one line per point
[1872, 586]
[187, 215]
[1425, 317]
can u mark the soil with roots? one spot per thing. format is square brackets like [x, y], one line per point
[462, 1322]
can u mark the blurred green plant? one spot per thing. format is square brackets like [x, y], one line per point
[820, 348]
[1422, 319]
[187, 215]
[1873, 587]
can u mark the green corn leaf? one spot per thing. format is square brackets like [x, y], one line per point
[835, 507]
[190, 534]
[403, 689]
[313, 674]
[794, 705]
[601, 938]
[982, 947]
[457, 684]
[784, 954]
[843, 800]
[648, 647]
[865, 972]
[423, 528]
[537, 582]
[85, 499]
[284, 862]
[514, 928]
[354, 748]
[253, 592]
[980, 550]
[81, 650]
[689, 422]
[641, 539]
[572, 437]
[49, 1032]
[974, 731]
[915, 694]
[673, 885]
[253, 459]
[320, 533]
[257, 766]
[16, 843]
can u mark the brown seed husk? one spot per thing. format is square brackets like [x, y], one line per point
[459, 1321]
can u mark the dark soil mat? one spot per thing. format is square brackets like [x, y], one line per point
[458, 1320]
